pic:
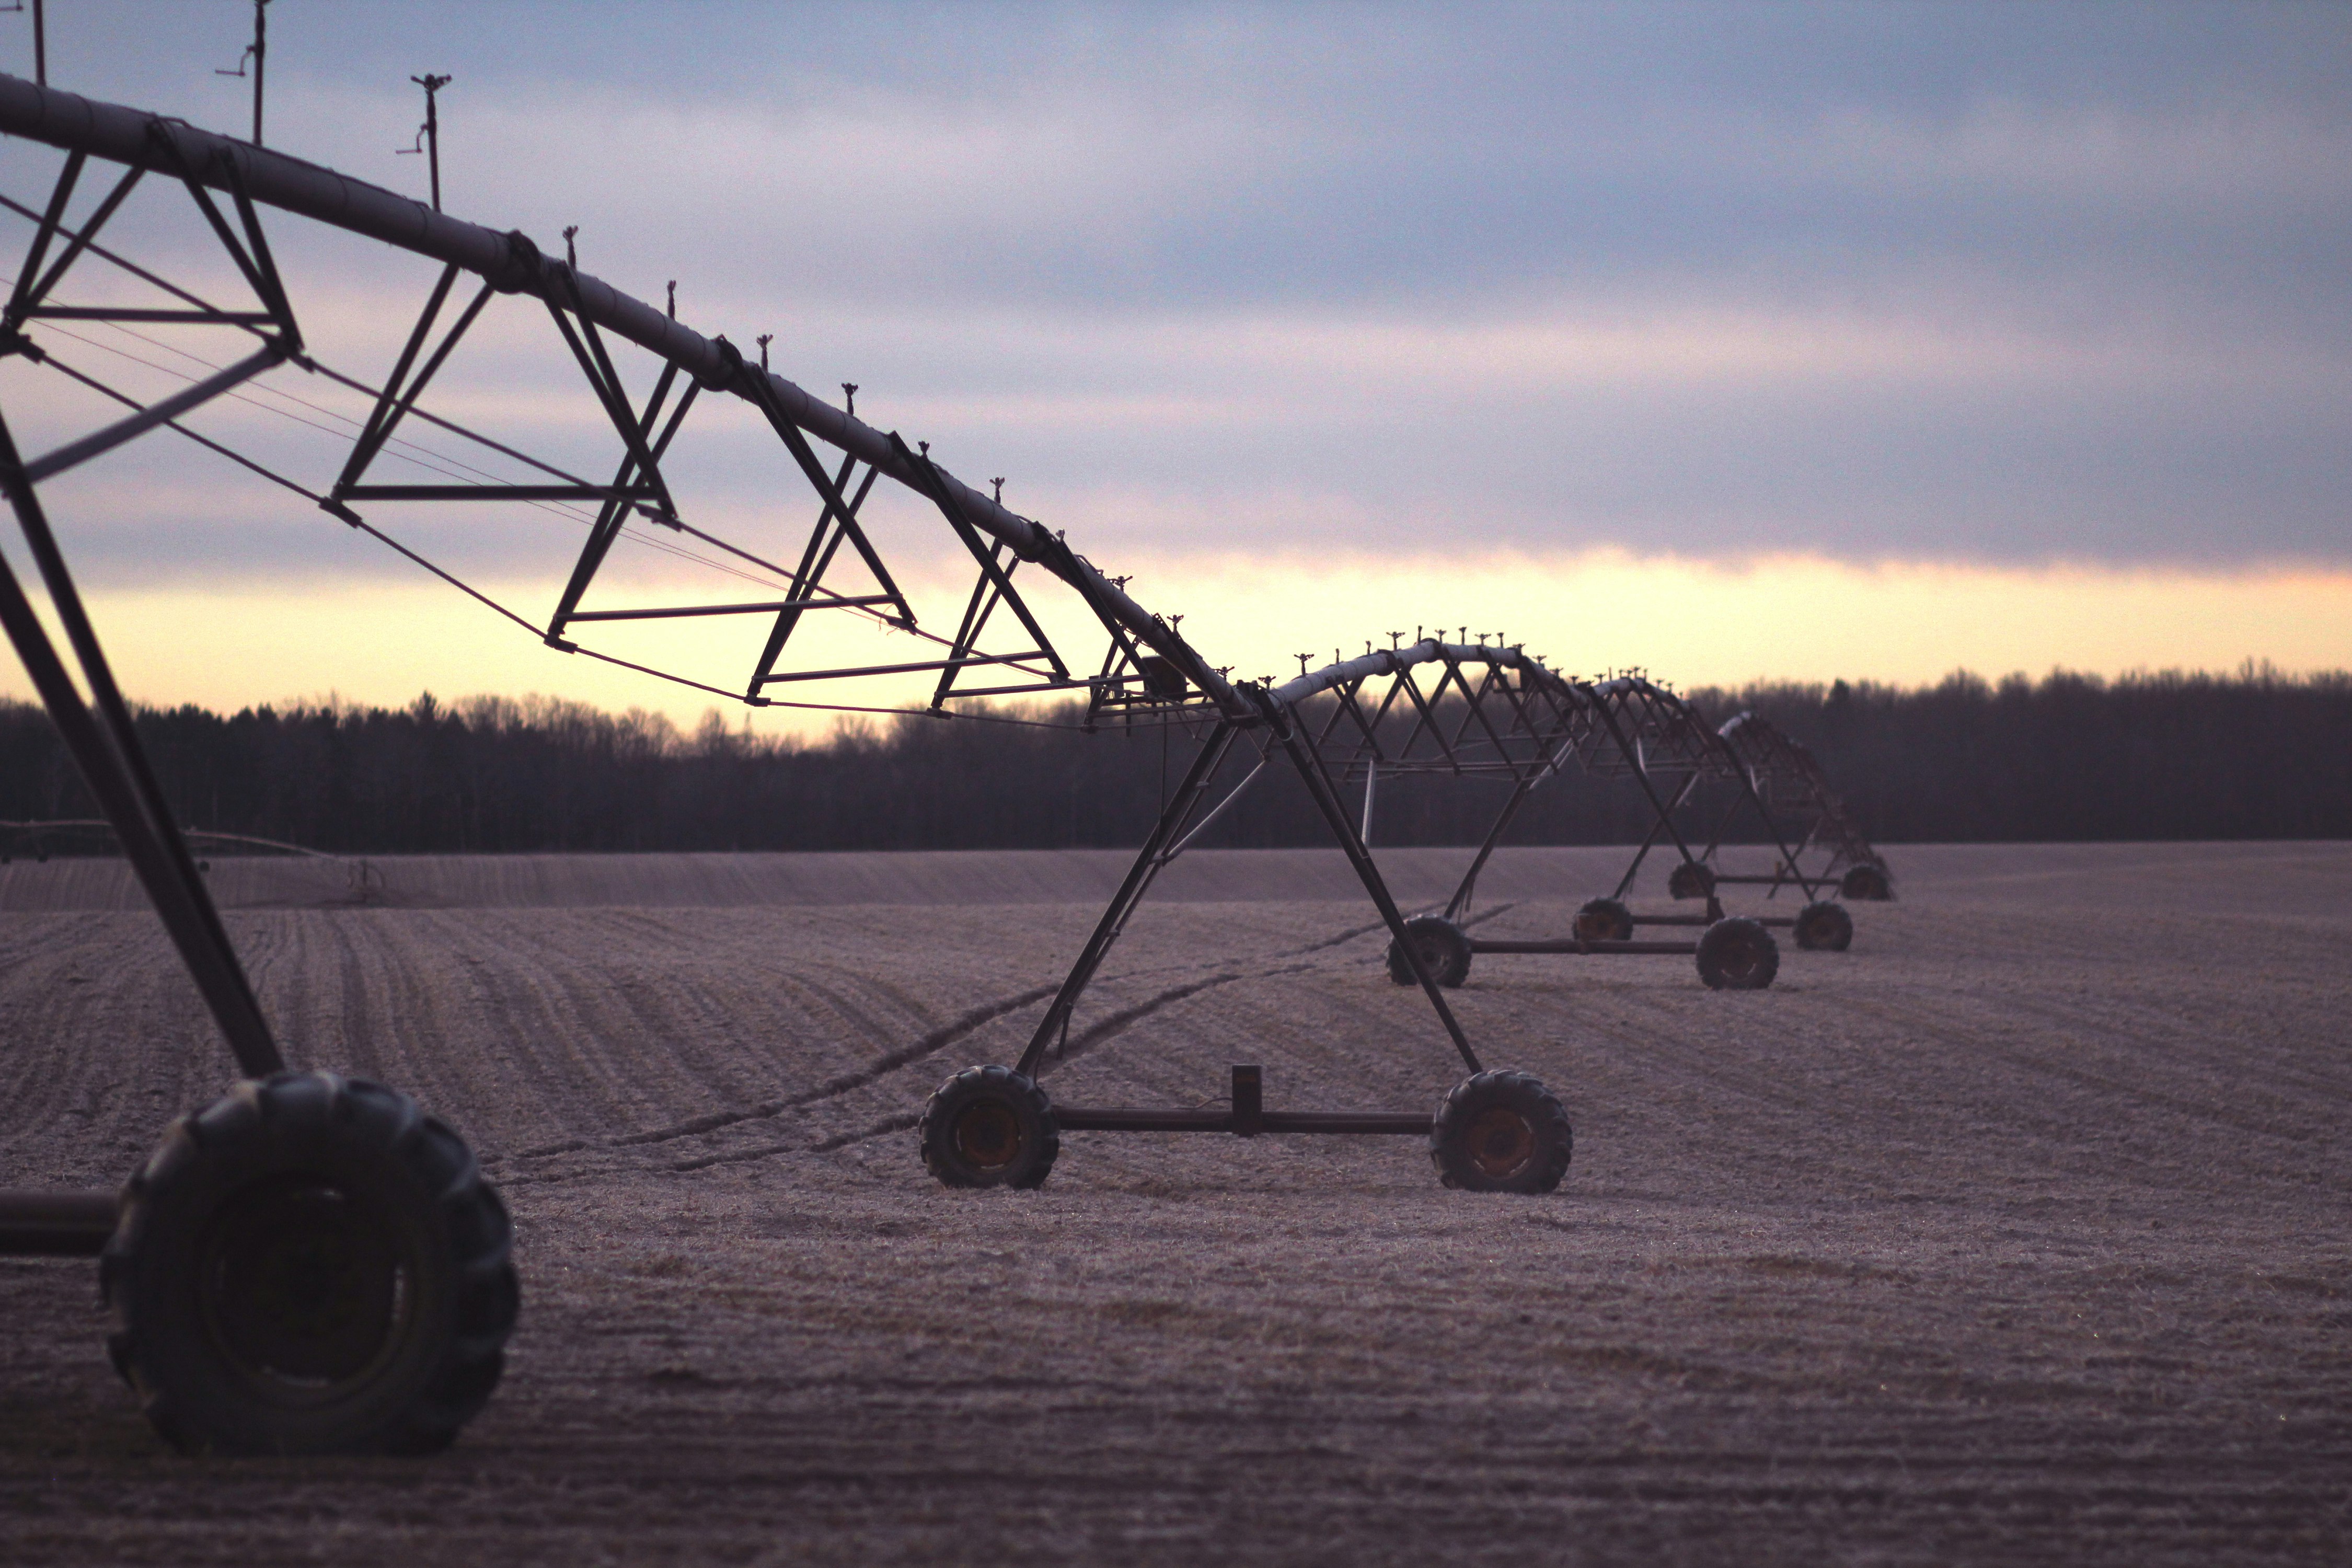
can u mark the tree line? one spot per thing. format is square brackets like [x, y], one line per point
[2252, 755]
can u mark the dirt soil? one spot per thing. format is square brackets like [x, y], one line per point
[2017, 1234]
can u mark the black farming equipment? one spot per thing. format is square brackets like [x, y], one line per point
[312, 1263]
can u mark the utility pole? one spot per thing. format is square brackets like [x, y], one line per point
[429, 135]
[260, 58]
[257, 52]
[40, 40]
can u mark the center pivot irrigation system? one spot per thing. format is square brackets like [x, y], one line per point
[1526, 722]
[312, 1263]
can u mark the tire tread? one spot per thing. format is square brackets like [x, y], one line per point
[1555, 1136]
[353, 1112]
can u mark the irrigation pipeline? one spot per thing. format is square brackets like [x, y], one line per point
[1507, 714]
[511, 263]
[431, 460]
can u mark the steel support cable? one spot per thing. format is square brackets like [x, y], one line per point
[1598, 698]
[198, 303]
[432, 461]
[556, 508]
[470, 473]
[483, 477]
[470, 476]
[511, 263]
[1682, 734]
[471, 592]
[457, 467]
[81, 240]
[101, 732]
[1713, 747]
[1319, 788]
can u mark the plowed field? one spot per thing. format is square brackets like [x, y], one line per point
[2018, 1233]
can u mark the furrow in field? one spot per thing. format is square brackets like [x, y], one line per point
[107, 1041]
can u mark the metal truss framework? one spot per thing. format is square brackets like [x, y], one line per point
[1147, 673]
[1494, 709]
[1673, 738]
[1434, 707]
[1785, 770]
[1516, 718]
[97, 728]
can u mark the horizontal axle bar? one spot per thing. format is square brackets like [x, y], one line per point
[1572, 945]
[55, 1225]
[1703, 921]
[1074, 1119]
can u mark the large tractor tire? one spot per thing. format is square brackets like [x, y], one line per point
[1691, 879]
[1866, 885]
[1738, 954]
[990, 1127]
[1824, 927]
[1500, 1133]
[310, 1264]
[1604, 920]
[1444, 948]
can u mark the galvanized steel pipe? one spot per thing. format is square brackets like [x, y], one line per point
[512, 262]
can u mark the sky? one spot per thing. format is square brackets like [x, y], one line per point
[1728, 342]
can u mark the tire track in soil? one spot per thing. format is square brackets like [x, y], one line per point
[42, 982]
[623, 1040]
[608, 1029]
[569, 1043]
[1354, 931]
[931, 1044]
[1773, 1381]
[1115, 1024]
[1644, 1061]
[535, 1075]
[659, 1022]
[938, 1039]
[1105, 1029]
[723, 1026]
[1656, 1033]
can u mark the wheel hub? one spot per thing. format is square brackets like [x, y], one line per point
[987, 1135]
[1501, 1143]
[301, 1283]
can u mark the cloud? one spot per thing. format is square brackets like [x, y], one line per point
[1998, 285]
